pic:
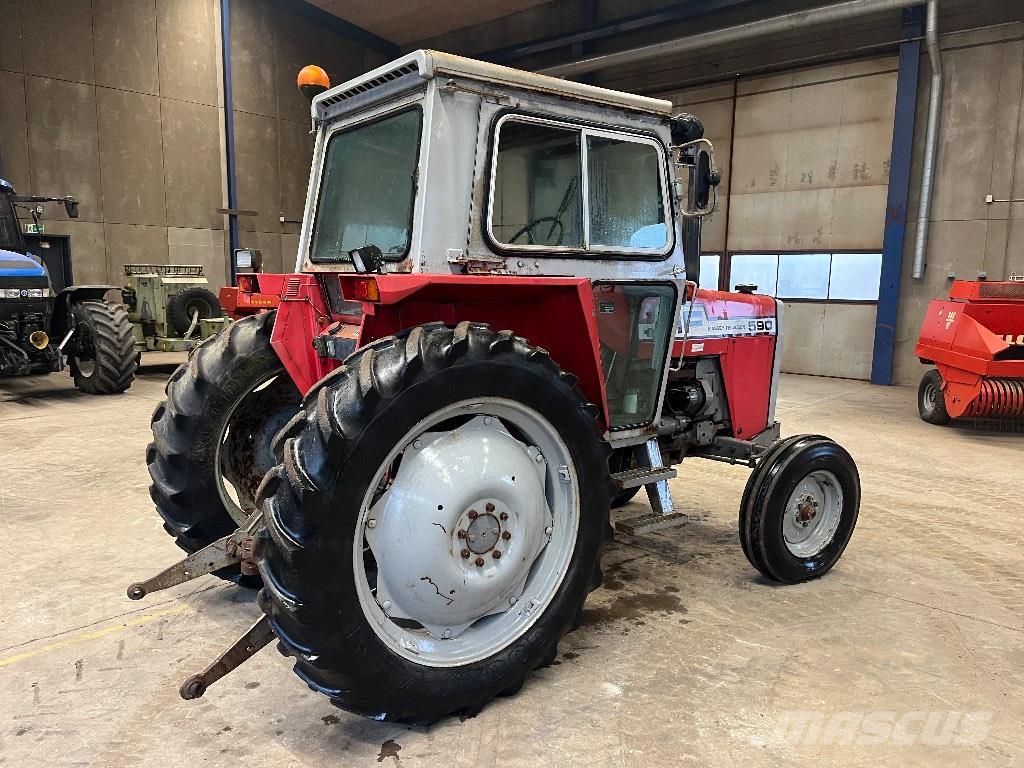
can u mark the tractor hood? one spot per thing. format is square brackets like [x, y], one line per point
[19, 265]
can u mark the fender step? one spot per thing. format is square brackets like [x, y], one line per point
[633, 478]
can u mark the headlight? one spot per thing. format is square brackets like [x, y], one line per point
[11, 293]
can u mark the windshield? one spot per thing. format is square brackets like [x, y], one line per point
[367, 190]
[10, 228]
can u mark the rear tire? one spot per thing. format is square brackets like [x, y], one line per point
[215, 429]
[364, 426]
[105, 362]
[195, 300]
[799, 509]
[931, 399]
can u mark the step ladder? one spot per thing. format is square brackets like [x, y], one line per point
[654, 477]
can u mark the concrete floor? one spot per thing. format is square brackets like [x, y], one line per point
[686, 657]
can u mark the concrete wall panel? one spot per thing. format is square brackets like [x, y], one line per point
[88, 249]
[57, 39]
[133, 244]
[206, 247]
[253, 57]
[14, 163]
[258, 178]
[10, 39]
[63, 144]
[192, 188]
[125, 45]
[296, 152]
[189, 46]
[131, 157]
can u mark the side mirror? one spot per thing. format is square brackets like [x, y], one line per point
[699, 158]
[71, 207]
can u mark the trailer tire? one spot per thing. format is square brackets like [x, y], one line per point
[931, 402]
[360, 429]
[799, 509]
[222, 409]
[105, 362]
[188, 301]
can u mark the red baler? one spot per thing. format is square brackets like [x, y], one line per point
[975, 340]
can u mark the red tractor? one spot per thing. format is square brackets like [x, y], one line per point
[491, 336]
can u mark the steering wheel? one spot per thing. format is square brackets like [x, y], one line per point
[528, 231]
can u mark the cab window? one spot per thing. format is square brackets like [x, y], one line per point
[558, 186]
[368, 188]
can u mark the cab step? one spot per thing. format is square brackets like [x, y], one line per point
[633, 478]
[638, 526]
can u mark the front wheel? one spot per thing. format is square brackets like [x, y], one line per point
[799, 508]
[436, 524]
[103, 360]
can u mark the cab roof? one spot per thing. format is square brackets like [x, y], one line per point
[426, 65]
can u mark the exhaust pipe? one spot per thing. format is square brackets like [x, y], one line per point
[39, 339]
[927, 173]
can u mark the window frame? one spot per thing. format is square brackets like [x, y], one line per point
[725, 272]
[588, 250]
[349, 128]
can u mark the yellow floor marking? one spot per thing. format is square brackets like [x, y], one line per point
[93, 635]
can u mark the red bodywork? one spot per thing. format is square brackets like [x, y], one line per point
[555, 313]
[976, 341]
[254, 294]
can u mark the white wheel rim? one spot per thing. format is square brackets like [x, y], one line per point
[419, 591]
[812, 514]
[931, 397]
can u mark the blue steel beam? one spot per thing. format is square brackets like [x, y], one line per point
[229, 132]
[896, 201]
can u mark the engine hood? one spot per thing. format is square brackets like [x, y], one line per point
[19, 265]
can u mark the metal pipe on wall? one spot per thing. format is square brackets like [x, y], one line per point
[763, 27]
[931, 37]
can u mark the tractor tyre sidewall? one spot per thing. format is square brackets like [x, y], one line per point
[307, 546]
[932, 413]
[191, 422]
[115, 360]
[767, 508]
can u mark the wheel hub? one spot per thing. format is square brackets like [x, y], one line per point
[457, 531]
[812, 514]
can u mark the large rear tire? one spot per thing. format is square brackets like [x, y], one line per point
[104, 361]
[417, 448]
[212, 435]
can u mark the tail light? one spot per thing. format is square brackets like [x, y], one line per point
[365, 289]
[247, 284]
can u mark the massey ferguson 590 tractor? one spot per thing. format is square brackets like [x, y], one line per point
[490, 334]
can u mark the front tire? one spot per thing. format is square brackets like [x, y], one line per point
[104, 360]
[212, 435]
[931, 399]
[418, 447]
[799, 508]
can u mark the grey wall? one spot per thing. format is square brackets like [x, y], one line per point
[981, 152]
[118, 102]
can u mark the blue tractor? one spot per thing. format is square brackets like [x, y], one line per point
[42, 331]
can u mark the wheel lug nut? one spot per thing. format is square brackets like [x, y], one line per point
[506, 535]
[479, 562]
[465, 554]
[490, 507]
[371, 523]
[462, 534]
[473, 514]
[496, 554]
[503, 516]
